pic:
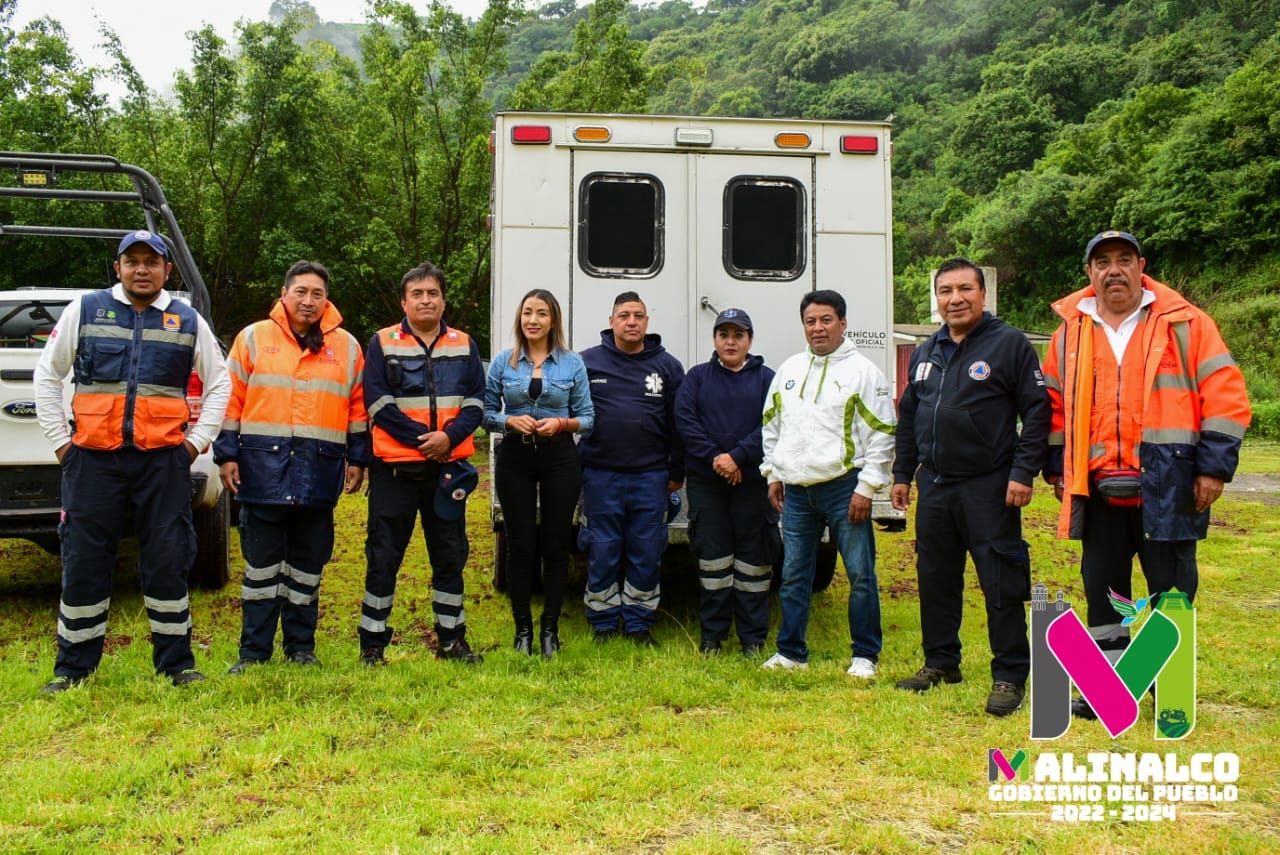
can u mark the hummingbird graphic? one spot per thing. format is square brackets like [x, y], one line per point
[1126, 608]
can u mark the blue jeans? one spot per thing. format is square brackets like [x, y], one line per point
[805, 511]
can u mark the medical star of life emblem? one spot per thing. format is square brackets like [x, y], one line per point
[653, 384]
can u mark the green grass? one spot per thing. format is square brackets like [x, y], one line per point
[607, 748]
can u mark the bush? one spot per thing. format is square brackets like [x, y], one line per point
[1266, 420]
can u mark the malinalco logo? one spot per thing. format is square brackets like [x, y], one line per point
[1162, 651]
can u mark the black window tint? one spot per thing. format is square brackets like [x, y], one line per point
[764, 236]
[620, 225]
[27, 323]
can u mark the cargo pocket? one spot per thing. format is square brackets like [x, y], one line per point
[160, 422]
[1014, 567]
[99, 420]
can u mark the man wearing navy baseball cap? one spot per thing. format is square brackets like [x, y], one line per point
[1148, 413]
[133, 348]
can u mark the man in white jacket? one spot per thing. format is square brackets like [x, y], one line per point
[828, 445]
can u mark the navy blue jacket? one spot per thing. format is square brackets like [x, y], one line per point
[634, 396]
[958, 418]
[719, 411]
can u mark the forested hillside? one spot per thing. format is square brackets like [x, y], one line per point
[1021, 129]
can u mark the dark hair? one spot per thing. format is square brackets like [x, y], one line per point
[824, 298]
[627, 297]
[555, 336]
[299, 268]
[959, 264]
[314, 339]
[425, 270]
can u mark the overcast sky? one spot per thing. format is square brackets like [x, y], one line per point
[154, 34]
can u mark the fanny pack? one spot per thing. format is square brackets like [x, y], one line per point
[1119, 487]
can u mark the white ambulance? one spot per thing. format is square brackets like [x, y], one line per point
[696, 215]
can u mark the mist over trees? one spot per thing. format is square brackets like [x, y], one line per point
[1021, 129]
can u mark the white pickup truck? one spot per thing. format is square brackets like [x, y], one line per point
[30, 477]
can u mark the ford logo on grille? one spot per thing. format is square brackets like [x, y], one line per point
[20, 409]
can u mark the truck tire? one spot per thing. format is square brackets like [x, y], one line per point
[212, 567]
[50, 543]
[500, 561]
[825, 568]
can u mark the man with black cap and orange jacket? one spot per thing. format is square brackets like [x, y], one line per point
[295, 438]
[133, 348]
[424, 390]
[1149, 410]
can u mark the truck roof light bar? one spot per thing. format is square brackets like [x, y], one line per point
[592, 133]
[531, 134]
[859, 145]
[792, 139]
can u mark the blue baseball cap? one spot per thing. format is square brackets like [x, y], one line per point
[151, 239]
[1111, 234]
[736, 317]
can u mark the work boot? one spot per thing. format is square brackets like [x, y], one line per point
[459, 651]
[926, 678]
[187, 677]
[709, 647]
[303, 657]
[605, 634]
[244, 665]
[643, 638]
[1005, 698]
[1080, 709]
[60, 684]
[371, 657]
[550, 638]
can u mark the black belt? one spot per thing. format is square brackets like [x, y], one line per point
[534, 439]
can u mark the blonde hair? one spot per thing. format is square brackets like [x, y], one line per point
[555, 335]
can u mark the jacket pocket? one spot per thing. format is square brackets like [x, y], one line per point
[99, 420]
[160, 422]
[102, 361]
[413, 375]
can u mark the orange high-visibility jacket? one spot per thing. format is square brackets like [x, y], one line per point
[131, 374]
[295, 418]
[1175, 407]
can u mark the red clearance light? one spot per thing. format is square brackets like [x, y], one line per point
[531, 134]
[859, 145]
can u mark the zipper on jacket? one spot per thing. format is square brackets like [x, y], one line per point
[937, 405]
[131, 386]
[1119, 438]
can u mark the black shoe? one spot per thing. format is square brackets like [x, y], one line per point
[643, 638]
[752, 650]
[187, 677]
[244, 665]
[1080, 709]
[372, 657]
[550, 639]
[926, 678]
[459, 651]
[303, 657]
[605, 635]
[1005, 698]
[524, 638]
[709, 647]
[60, 684]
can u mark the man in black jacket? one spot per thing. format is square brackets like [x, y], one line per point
[968, 386]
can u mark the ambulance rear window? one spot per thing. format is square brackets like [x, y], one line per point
[764, 236]
[621, 227]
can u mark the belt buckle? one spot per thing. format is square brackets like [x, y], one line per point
[529, 438]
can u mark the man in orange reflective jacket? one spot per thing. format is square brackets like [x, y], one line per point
[1149, 410]
[295, 437]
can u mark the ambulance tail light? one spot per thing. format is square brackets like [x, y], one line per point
[592, 133]
[859, 145]
[792, 139]
[531, 134]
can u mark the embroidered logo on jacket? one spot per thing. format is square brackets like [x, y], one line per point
[653, 385]
[979, 370]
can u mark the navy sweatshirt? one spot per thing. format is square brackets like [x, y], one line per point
[634, 395]
[719, 411]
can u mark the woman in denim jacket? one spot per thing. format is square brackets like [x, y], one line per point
[537, 395]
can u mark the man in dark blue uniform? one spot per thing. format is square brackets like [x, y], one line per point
[968, 386]
[632, 461]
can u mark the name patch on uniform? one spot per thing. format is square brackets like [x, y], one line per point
[172, 322]
[979, 370]
[922, 371]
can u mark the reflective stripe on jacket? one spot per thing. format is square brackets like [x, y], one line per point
[428, 386]
[131, 374]
[295, 418]
[1176, 407]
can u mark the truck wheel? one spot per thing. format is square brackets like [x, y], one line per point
[50, 543]
[212, 567]
[825, 568]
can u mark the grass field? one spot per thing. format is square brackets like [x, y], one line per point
[608, 748]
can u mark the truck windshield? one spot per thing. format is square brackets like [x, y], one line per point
[27, 323]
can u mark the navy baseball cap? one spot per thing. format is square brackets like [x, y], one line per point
[151, 239]
[737, 317]
[1111, 234]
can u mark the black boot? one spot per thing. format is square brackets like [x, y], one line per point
[524, 636]
[550, 638]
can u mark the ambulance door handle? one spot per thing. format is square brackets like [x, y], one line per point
[706, 304]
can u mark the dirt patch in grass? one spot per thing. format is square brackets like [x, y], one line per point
[1259, 488]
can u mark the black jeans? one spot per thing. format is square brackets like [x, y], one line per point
[530, 477]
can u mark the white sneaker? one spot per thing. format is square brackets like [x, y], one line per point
[860, 667]
[779, 662]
